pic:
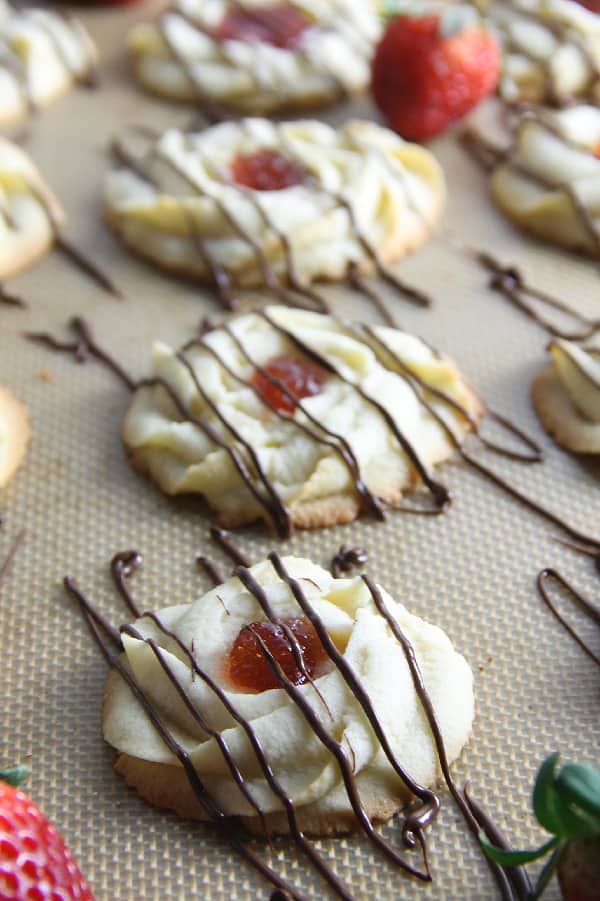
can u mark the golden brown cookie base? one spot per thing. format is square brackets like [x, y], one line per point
[167, 787]
[249, 274]
[560, 418]
[15, 425]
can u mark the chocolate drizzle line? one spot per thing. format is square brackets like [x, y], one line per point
[489, 474]
[85, 346]
[591, 610]
[223, 539]
[564, 34]
[410, 376]
[509, 281]
[11, 300]
[17, 64]
[489, 156]
[207, 566]
[222, 278]
[219, 111]
[322, 435]
[346, 559]
[8, 562]
[439, 492]
[337, 885]
[429, 711]
[72, 253]
[123, 567]
[227, 826]
[518, 877]
[87, 266]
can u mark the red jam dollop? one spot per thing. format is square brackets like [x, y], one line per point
[300, 376]
[247, 668]
[280, 24]
[266, 170]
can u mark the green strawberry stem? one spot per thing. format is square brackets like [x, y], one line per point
[567, 805]
[548, 870]
[14, 775]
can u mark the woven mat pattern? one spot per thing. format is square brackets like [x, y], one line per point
[471, 571]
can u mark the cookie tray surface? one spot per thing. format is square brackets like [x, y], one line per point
[472, 571]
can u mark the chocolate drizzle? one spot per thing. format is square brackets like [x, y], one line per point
[76, 256]
[272, 505]
[83, 347]
[218, 111]
[346, 559]
[16, 63]
[564, 34]
[415, 820]
[10, 557]
[11, 300]
[576, 598]
[223, 280]
[223, 539]
[509, 281]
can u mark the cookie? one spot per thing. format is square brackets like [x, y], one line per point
[14, 434]
[299, 200]
[566, 396]
[42, 54]
[217, 634]
[298, 419]
[551, 50]
[548, 182]
[257, 58]
[30, 214]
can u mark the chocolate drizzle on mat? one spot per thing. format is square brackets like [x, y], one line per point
[346, 559]
[6, 567]
[576, 598]
[416, 819]
[11, 300]
[251, 471]
[291, 290]
[509, 281]
[76, 256]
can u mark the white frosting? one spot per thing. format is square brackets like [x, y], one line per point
[250, 76]
[578, 370]
[551, 49]
[41, 55]
[552, 176]
[182, 458]
[395, 189]
[27, 210]
[306, 770]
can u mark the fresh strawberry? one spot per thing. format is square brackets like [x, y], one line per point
[579, 870]
[428, 71]
[568, 806]
[592, 5]
[35, 863]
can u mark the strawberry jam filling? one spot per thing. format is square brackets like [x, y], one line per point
[266, 170]
[280, 24]
[300, 376]
[247, 667]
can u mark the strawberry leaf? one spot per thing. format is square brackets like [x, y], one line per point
[544, 796]
[548, 871]
[14, 775]
[515, 858]
[579, 783]
[558, 806]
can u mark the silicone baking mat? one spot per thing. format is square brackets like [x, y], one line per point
[471, 571]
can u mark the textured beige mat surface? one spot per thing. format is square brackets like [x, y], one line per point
[471, 571]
